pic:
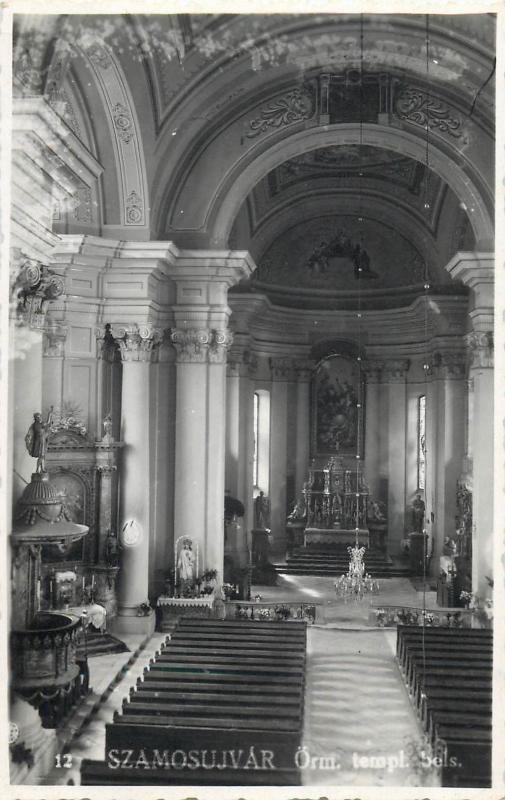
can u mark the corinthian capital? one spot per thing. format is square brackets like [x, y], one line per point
[136, 342]
[33, 287]
[220, 341]
[201, 345]
[450, 364]
[372, 370]
[304, 369]
[282, 368]
[395, 370]
[481, 348]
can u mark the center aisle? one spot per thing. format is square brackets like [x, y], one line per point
[358, 712]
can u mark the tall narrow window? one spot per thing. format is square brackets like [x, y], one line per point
[261, 427]
[421, 442]
[256, 431]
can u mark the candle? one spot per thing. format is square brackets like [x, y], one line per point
[93, 581]
[38, 594]
[83, 587]
[51, 595]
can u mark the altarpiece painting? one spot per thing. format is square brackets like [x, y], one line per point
[336, 391]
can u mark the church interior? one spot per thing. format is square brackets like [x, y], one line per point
[251, 400]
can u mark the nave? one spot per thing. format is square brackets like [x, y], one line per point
[357, 724]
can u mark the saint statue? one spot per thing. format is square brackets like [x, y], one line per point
[261, 512]
[36, 439]
[299, 511]
[418, 508]
[107, 437]
[112, 550]
[186, 564]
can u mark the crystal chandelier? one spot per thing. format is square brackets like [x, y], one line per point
[357, 582]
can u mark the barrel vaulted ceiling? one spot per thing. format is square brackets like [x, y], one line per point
[276, 133]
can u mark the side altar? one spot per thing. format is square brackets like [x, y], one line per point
[333, 503]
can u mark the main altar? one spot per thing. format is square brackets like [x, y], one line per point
[332, 509]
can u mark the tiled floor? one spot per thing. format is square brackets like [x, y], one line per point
[353, 686]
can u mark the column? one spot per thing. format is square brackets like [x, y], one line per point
[136, 345]
[476, 270]
[372, 370]
[303, 371]
[481, 349]
[201, 339]
[200, 441]
[162, 450]
[282, 372]
[239, 429]
[447, 448]
[394, 377]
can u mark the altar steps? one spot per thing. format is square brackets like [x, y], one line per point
[334, 561]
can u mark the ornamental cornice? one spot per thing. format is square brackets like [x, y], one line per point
[395, 369]
[201, 345]
[136, 342]
[481, 348]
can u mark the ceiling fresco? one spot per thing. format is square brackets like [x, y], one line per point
[328, 252]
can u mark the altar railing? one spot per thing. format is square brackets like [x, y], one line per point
[391, 616]
[264, 611]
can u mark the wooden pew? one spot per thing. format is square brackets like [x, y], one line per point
[229, 686]
[449, 674]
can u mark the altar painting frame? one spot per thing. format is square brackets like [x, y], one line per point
[337, 386]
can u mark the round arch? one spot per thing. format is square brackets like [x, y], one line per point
[240, 179]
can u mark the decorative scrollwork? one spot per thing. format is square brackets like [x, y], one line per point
[123, 123]
[420, 108]
[134, 209]
[99, 56]
[294, 106]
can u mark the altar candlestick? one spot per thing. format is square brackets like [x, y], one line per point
[38, 594]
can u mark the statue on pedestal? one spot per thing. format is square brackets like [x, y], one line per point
[107, 437]
[112, 550]
[186, 565]
[261, 512]
[418, 509]
[36, 439]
